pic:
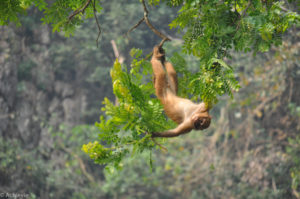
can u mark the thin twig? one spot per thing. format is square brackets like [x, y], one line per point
[296, 193]
[135, 26]
[80, 161]
[161, 35]
[264, 102]
[97, 22]
[155, 142]
[146, 19]
[116, 52]
[243, 15]
[244, 12]
[160, 44]
[148, 23]
[160, 146]
[291, 89]
[76, 12]
[284, 9]
[163, 41]
[235, 5]
[149, 56]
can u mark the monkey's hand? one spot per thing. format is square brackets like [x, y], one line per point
[158, 53]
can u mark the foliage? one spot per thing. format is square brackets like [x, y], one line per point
[240, 155]
[56, 13]
[294, 150]
[212, 29]
[244, 154]
[214, 81]
[40, 173]
[131, 119]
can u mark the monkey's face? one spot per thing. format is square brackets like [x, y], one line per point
[201, 121]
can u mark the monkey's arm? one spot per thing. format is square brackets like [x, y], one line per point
[182, 128]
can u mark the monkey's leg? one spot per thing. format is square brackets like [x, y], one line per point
[172, 75]
[160, 80]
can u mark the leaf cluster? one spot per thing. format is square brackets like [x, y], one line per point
[55, 13]
[207, 83]
[293, 150]
[212, 28]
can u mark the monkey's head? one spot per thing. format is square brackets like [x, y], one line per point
[201, 121]
[159, 52]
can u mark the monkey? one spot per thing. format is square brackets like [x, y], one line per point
[187, 114]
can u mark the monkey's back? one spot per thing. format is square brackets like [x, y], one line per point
[174, 107]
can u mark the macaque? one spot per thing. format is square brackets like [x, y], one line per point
[184, 112]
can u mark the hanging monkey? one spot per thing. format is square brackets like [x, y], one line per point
[184, 112]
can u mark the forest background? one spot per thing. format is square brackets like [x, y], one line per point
[51, 93]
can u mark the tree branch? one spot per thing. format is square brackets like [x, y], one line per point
[161, 35]
[284, 9]
[163, 41]
[159, 145]
[116, 52]
[80, 161]
[243, 15]
[135, 26]
[147, 21]
[76, 12]
[81, 10]
[97, 22]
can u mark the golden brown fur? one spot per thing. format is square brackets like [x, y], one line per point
[184, 112]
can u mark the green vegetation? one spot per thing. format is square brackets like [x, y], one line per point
[212, 30]
[251, 149]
